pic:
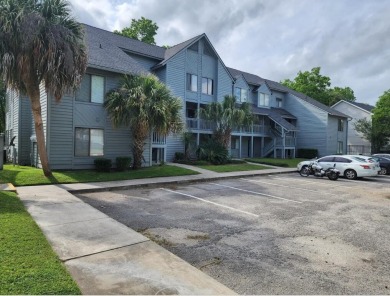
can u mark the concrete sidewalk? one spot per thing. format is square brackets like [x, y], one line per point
[106, 257]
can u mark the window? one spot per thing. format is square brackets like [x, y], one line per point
[88, 142]
[207, 86]
[263, 99]
[340, 147]
[342, 159]
[279, 102]
[340, 125]
[241, 94]
[326, 159]
[91, 89]
[192, 82]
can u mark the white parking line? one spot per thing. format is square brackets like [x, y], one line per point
[317, 183]
[258, 193]
[288, 186]
[211, 202]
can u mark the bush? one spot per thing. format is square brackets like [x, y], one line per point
[123, 163]
[179, 156]
[103, 164]
[213, 152]
[307, 153]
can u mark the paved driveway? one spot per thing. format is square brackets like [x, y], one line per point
[277, 234]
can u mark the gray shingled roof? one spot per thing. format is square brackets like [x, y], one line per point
[273, 85]
[275, 115]
[170, 52]
[105, 51]
[364, 106]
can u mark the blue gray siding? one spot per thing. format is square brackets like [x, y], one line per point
[176, 80]
[311, 123]
[354, 138]
[334, 136]
[69, 114]
[146, 62]
[224, 82]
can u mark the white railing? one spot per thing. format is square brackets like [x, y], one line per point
[279, 141]
[158, 139]
[192, 123]
[206, 124]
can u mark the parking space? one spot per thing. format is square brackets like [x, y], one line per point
[277, 234]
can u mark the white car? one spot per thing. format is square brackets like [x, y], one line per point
[350, 166]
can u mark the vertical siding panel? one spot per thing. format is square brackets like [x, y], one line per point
[224, 83]
[312, 124]
[146, 62]
[61, 133]
[176, 75]
[354, 138]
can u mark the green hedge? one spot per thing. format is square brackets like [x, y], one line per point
[103, 164]
[307, 153]
[123, 163]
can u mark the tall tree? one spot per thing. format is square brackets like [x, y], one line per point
[40, 44]
[142, 29]
[318, 87]
[144, 104]
[377, 130]
[381, 117]
[227, 115]
[2, 107]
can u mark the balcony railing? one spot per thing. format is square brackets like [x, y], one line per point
[158, 139]
[194, 123]
[290, 141]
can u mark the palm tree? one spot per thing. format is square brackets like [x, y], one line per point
[144, 104]
[227, 116]
[40, 45]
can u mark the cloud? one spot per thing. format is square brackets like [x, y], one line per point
[273, 39]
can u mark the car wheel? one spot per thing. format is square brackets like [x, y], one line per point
[383, 171]
[350, 174]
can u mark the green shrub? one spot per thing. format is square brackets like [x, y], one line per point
[179, 156]
[103, 164]
[307, 153]
[123, 163]
[213, 152]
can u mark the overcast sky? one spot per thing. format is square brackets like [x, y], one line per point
[348, 39]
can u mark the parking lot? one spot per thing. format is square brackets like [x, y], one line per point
[276, 234]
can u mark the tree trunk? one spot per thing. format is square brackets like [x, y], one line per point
[33, 94]
[139, 136]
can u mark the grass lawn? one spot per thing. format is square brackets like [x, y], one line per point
[24, 175]
[288, 162]
[224, 168]
[28, 265]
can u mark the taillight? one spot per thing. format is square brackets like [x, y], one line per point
[366, 167]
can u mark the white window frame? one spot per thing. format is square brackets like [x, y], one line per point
[243, 94]
[279, 102]
[340, 125]
[90, 151]
[96, 93]
[192, 82]
[340, 147]
[209, 86]
[265, 98]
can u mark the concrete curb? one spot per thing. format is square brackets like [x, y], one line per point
[165, 183]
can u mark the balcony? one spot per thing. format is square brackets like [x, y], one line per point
[158, 139]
